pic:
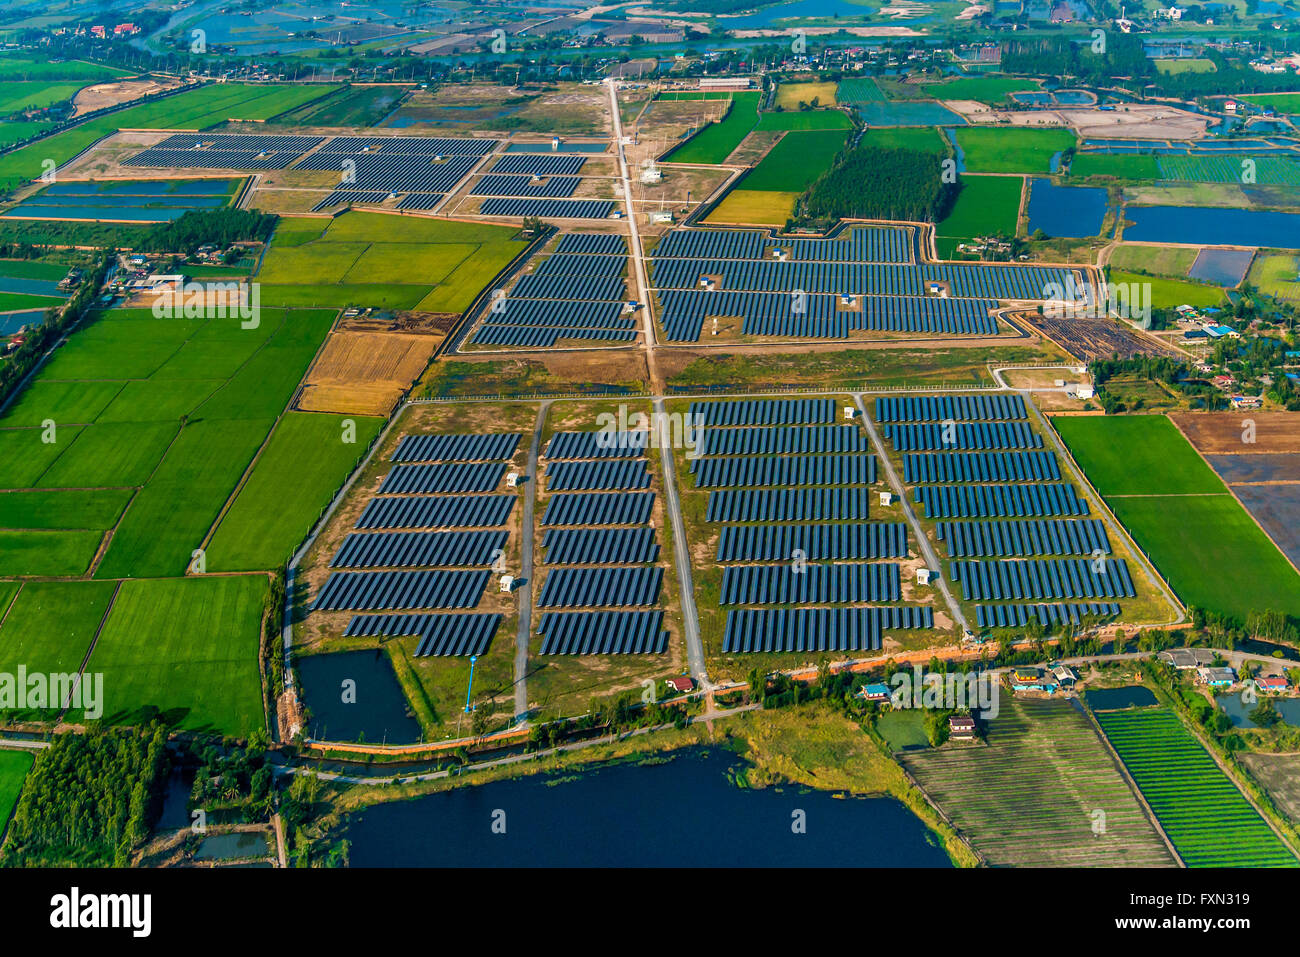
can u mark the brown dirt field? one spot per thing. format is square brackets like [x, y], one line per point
[1221, 432]
[122, 91]
[365, 372]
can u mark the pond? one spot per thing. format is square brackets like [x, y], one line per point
[1111, 699]
[1065, 212]
[1202, 226]
[1239, 712]
[228, 847]
[683, 812]
[1223, 267]
[797, 10]
[375, 708]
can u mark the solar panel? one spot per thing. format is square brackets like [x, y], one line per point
[1018, 616]
[551, 186]
[599, 546]
[764, 412]
[981, 467]
[440, 635]
[779, 543]
[599, 508]
[1043, 578]
[436, 511]
[962, 435]
[785, 471]
[540, 164]
[443, 477]
[809, 584]
[596, 444]
[592, 244]
[1024, 539]
[419, 549]
[787, 505]
[459, 447]
[821, 439]
[999, 501]
[600, 587]
[400, 591]
[603, 633]
[805, 630]
[960, 408]
[615, 474]
[548, 208]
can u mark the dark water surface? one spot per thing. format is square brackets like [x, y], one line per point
[683, 812]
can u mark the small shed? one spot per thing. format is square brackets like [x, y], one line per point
[961, 727]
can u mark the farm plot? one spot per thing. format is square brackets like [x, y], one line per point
[788, 569]
[14, 766]
[365, 372]
[1208, 820]
[1181, 514]
[794, 96]
[1029, 798]
[187, 647]
[795, 161]
[373, 259]
[985, 206]
[1012, 150]
[997, 502]
[714, 142]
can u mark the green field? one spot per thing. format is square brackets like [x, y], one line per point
[757, 207]
[715, 141]
[925, 138]
[1241, 170]
[1276, 274]
[16, 66]
[1206, 818]
[18, 95]
[51, 625]
[52, 553]
[993, 90]
[350, 106]
[14, 766]
[859, 90]
[1157, 260]
[1011, 149]
[187, 646]
[1169, 293]
[373, 259]
[1180, 513]
[1175, 65]
[294, 479]
[805, 120]
[985, 205]
[1028, 798]
[1281, 102]
[793, 163]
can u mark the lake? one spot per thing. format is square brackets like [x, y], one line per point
[1202, 226]
[798, 10]
[1065, 212]
[378, 710]
[1239, 712]
[684, 812]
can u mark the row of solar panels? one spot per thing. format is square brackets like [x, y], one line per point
[420, 549]
[764, 412]
[543, 337]
[395, 172]
[807, 584]
[788, 505]
[1043, 578]
[420, 201]
[596, 444]
[940, 408]
[609, 288]
[962, 435]
[443, 477]
[540, 164]
[408, 145]
[402, 590]
[603, 633]
[597, 475]
[783, 543]
[573, 264]
[820, 439]
[999, 501]
[600, 244]
[599, 546]
[1024, 539]
[457, 447]
[619, 587]
[1017, 616]
[784, 470]
[575, 313]
[784, 630]
[440, 635]
[599, 508]
[548, 208]
[683, 313]
[926, 469]
[496, 184]
[436, 511]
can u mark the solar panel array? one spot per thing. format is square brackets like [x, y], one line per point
[575, 293]
[426, 166]
[1017, 511]
[598, 545]
[404, 562]
[224, 151]
[548, 208]
[540, 164]
[868, 279]
[549, 187]
[817, 548]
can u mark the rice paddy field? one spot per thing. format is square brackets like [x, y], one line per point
[790, 95]
[993, 90]
[1212, 553]
[18, 95]
[14, 766]
[1277, 274]
[1120, 166]
[805, 120]
[16, 66]
[927, 139]
[1011, 150]
[1208, 820]
[1028, 798]
[715, 141]
[371, 259]
[1157, 260]
[755, 207]
[350, 106]
[1261, 170]
[859, 90]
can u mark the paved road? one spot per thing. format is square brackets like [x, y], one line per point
[525, 593]
[922, 542]
[681, 555]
